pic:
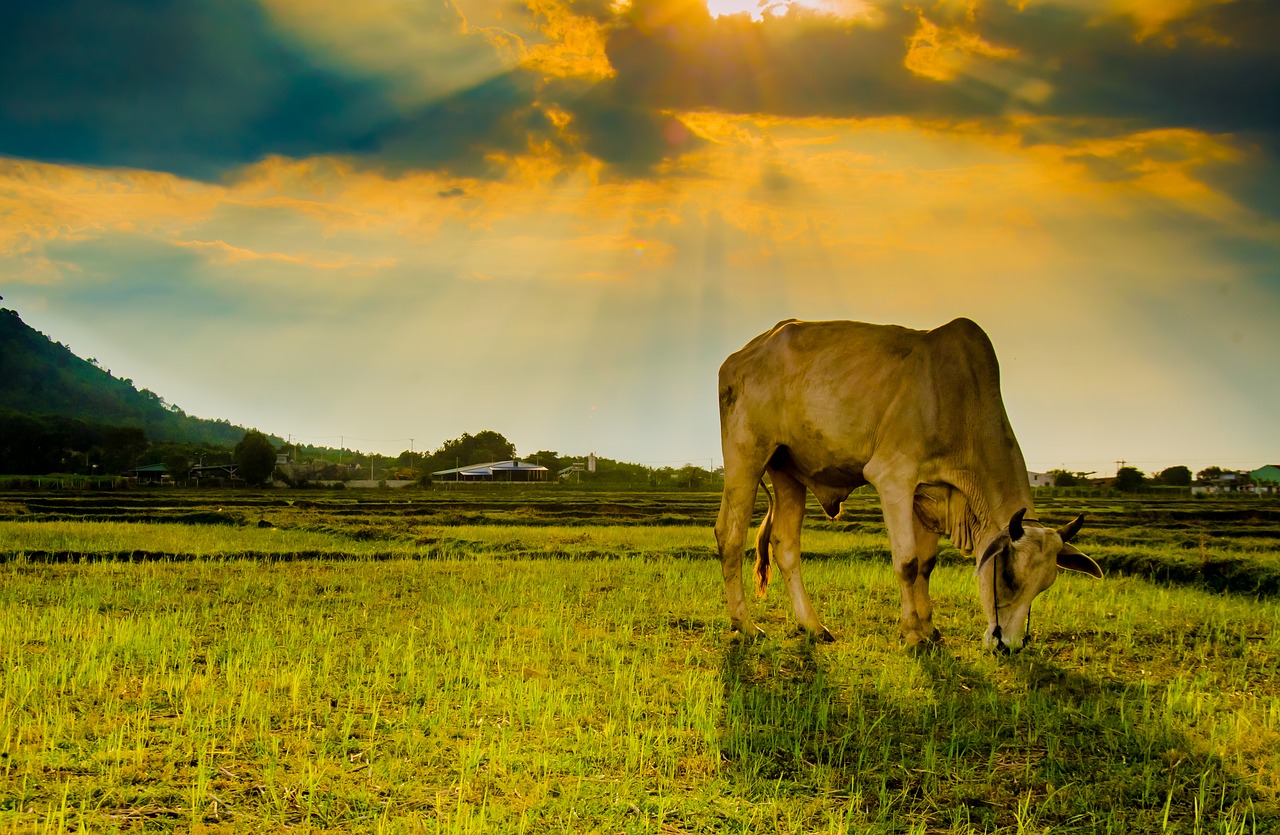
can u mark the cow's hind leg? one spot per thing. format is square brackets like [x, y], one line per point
[731, 531]
[787, 521]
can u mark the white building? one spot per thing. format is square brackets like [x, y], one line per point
[1040, 479]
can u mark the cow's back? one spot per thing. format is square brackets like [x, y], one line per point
[833, 392]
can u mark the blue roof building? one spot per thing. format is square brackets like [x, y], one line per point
[513, 470]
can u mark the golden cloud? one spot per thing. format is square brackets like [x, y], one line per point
[224, 253]
[576, 47]
[41, 202]
[944, 53]
[808, 199]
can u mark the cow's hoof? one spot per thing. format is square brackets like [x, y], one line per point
[921, 644]
[821, 634]
[750, 634]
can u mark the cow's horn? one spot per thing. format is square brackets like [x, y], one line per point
[1015, 525]
[1071, 528]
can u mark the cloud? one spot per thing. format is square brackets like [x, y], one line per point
[672, 55]
[1048, 72]
[225, 253]
[461, 133]
[631, 138]
[951, 63]
[421, 51]
[1211, 70]
[205, 87]
[41, 203]
[192, 88]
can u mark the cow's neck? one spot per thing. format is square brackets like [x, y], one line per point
[969, 509]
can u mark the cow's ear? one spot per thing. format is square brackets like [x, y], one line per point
[997, 545]
[1073, 560]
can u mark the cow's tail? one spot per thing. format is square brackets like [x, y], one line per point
[764, 567]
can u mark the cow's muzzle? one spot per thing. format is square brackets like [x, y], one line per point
[996, 642]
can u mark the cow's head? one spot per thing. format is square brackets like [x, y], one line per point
[1021, 561]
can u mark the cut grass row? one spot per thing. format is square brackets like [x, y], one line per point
[1248, 565]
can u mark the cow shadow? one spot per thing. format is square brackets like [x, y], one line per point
[1062, 751]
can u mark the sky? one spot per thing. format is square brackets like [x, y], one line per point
[384, 224]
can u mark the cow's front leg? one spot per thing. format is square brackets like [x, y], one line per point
[914, 552]
[787, 522]
[926, 558]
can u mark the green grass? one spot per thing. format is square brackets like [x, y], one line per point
[508, 678]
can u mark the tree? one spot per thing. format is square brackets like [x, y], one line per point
[1069, 478]
[178, 464]
[1210, 475]
[254, 457]
[1178, 476]
[120, 447]
[409, 460]
[691, 476]
[1064, 478]
[1130, 479]
[551, 460]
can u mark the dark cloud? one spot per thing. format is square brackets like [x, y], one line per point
[1253, 180]
[201, 87]
[193, 87]
[457, 133]
[672, 54]
[198, 87]
[1214, 71]
[626, 134]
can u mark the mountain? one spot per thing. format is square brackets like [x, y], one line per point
[43, 378]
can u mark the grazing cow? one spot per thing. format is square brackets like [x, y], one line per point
[830, 406]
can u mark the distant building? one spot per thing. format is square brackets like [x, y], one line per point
[495, 471]
[150, 474]
[216, 473]
[1266, 479]
[1225, 482]
[1040, 479]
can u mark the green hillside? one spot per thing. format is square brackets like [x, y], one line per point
[48, 392]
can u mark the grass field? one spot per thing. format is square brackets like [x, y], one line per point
[504, 662]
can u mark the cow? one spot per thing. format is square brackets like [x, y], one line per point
[830, 406]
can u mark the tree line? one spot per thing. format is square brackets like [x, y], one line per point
[46, 444]
[1133, 480]
[489, 446]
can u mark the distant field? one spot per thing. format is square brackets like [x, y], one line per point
[553, 661]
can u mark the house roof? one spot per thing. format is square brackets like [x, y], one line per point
[480, 470]
[1269, 472]
[151, 468]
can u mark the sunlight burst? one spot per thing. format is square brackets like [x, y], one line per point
[757, 9]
